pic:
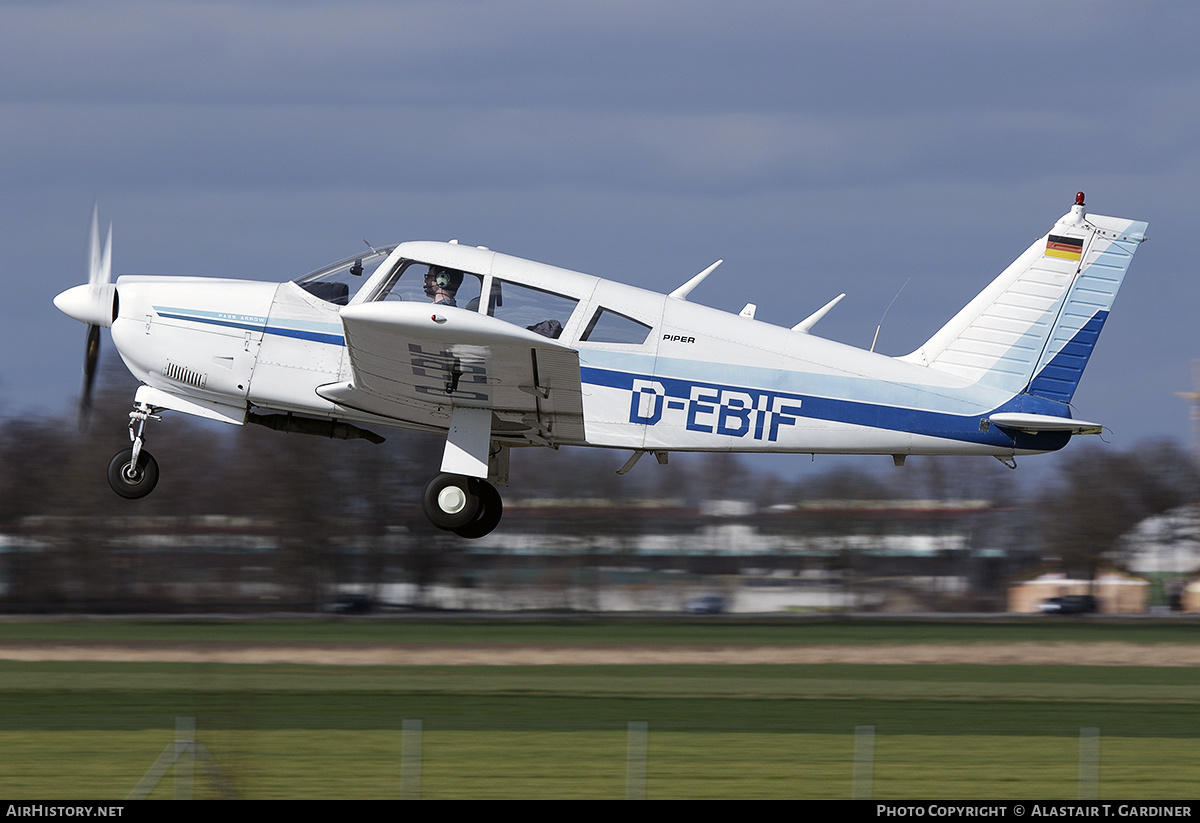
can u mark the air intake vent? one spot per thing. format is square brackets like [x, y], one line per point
[183, 374]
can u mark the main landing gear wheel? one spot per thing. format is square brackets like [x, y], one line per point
[130, 481]
[491, 509]
[450, 501]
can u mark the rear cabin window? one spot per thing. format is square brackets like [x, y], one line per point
[607, 326]
[543, 312]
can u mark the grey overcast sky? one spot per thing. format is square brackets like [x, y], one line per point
[816, 147]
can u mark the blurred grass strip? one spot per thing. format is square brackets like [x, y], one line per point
[611, 630]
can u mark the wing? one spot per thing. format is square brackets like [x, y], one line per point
[418, 362]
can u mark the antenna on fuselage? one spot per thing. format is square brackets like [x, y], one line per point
[683, 291]
[885, 311]
[805, 325]
[369, 246]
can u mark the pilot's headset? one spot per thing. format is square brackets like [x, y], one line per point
[447, 280]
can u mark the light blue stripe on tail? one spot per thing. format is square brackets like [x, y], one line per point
[1082, 317]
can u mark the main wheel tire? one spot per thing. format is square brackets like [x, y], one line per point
[129, 481]
[491, 509]
[450, 501]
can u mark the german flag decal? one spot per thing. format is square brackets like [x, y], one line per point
[1068, 248]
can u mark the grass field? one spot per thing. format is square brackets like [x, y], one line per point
[93, 729]
[781, 631]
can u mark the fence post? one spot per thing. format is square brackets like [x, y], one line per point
[1089, 763]
[635, 760]
[410, 760]
[864, 762]
[185, 756]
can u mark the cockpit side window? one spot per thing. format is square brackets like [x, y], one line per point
[338, 282]
[429, 283]
[543, 312]
[608, 326]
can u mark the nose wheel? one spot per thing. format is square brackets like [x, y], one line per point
[468, 506]
[130, 478]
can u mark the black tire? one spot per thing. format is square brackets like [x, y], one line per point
[491, 509]
[450, 501]
[132, 482]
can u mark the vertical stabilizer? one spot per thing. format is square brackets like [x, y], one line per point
[1035, 326]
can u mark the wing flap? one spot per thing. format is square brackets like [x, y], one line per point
[409, 358]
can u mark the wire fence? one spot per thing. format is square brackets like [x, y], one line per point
[428, 759]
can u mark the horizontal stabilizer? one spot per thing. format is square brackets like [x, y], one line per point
[1034, 423]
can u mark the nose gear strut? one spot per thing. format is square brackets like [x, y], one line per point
[133, 473]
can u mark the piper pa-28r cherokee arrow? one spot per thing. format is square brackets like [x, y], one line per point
[495, 352]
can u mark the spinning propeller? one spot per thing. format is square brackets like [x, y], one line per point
[94, 304]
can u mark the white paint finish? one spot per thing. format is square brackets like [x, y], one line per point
[223, 412]
[700, 380]
[467, 442]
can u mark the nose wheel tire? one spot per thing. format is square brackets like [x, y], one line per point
[450, 501]
[130, 481]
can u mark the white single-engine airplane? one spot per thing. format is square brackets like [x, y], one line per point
[495, 352]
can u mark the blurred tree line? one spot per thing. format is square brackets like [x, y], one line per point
[335, 511]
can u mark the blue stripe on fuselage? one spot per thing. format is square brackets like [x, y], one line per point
[249, 323]
[687, 395]
[300, 334]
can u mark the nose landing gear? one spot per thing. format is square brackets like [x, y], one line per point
[133, 472]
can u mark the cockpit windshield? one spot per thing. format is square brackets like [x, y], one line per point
[339, 282]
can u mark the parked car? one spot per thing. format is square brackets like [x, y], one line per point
[351, 604]
[1069, 604]
[706, 604]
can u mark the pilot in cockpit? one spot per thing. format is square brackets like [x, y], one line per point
[441, 284]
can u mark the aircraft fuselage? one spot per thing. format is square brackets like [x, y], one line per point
[495, 351]
[700, 380]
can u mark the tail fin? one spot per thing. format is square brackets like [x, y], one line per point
[1034, 327]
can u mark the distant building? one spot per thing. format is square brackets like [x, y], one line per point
[586, 554]
[1115, 592]
[1168, 543]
